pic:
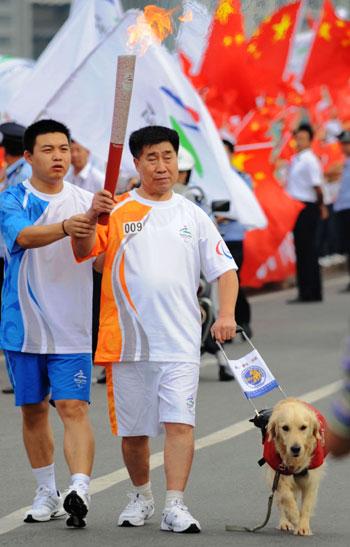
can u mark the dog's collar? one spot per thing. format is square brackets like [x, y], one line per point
[302, 473]
[284, 470]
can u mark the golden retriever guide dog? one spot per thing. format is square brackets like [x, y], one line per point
[294, 445]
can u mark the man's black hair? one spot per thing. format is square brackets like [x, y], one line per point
[307, 128]
[229, 145]
[43, 127]
[152, 134]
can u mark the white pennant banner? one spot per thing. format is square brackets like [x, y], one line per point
[253, 375]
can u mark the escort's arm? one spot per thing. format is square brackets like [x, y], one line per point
[102, 203]
[32, 237]
[224, 327]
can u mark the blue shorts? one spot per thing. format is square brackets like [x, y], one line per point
[35, 376]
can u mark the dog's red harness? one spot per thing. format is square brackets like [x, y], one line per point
[274, 459]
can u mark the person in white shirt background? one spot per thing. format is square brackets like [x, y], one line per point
[304, 183]
[82, 172]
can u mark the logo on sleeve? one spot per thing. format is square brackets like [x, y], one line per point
[222, 250]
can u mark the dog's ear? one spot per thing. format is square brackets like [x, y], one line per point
[316, 427]
[271, 429]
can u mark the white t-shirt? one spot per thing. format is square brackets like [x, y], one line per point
[155, 251]
[304, 175]
[47, 296]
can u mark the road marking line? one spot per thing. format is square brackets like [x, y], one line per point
[14, 520]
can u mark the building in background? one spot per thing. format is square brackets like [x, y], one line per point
[27, 26]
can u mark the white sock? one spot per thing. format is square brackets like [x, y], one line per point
[81, 481]
[144, 490]
[173, 495]
[45, 476]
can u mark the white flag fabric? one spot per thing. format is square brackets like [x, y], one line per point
[107, 12]
[87, 25]
[253, 375]
[13, 73]
[192, 37]
[162, 95]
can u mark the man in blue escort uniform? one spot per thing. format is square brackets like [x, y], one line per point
[17, 170]
[342, 203]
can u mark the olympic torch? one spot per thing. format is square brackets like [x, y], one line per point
[122, 98]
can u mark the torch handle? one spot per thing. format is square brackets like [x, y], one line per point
[112, 172]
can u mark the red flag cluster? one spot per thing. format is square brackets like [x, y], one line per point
[248, 79]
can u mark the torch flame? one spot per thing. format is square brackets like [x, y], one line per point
[153, 26]
[186, 17]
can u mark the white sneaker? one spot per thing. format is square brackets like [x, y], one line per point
[46, 505]
[137, 511]
[76, 503]
[177, 518]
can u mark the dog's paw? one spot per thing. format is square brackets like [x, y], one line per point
[286, 525]
[303, 530]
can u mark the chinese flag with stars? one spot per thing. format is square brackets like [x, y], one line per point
[329, 60]
[268, 49]
[261, 247]
[224, 66]
[254, 128]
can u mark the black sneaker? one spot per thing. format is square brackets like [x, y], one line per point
[76, 504]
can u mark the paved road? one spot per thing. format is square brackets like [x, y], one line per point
[302, 345]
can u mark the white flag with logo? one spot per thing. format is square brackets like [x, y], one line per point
[253, 375]
[88, 24]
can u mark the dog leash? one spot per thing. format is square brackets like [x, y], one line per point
[235, 528]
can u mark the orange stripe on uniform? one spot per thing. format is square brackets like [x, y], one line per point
[123, 282]
[111, 400]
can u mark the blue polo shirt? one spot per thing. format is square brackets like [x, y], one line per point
[343, 200]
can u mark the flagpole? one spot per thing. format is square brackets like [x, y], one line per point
[254, 146]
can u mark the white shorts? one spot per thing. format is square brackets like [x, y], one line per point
[143, 395]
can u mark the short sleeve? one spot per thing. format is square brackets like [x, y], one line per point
[315, 171]
[13, 219]
[215, 257]
[100, 244]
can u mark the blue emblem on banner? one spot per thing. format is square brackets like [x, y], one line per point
[254, 376]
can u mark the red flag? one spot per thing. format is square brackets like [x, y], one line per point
[253, 129]
[329, 60]
[330, 154]
[224, 66]
[281, 212]
[268, 49]
[341, 101]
